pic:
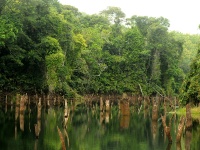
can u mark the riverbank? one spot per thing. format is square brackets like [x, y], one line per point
[195, 112]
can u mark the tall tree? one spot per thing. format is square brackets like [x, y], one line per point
[191, 85]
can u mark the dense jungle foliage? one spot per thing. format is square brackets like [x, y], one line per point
[49, 47]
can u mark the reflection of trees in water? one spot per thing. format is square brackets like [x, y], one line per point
[22, 109]
[125, 114]
[65, 121]
[188, 139]
[88, 125]
[38, 124]
[105, 110]
[16, 115]
[155, 118]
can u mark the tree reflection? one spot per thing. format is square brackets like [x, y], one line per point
[188, 139]
[88, 129]
[125, 114]
[22, 109]
[16, 114]
[154, 119]
[38, 124]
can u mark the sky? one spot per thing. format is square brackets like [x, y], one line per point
[183, 15]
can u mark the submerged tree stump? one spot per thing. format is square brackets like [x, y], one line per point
[107, 104]
[155, 111]
[180, 129]
[166, 129]
[101, 104]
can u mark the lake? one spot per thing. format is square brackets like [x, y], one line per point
[99, 123]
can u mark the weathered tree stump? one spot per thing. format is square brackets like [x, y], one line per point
[155, 111]
[107, 117]
[107, 104]
[166, 129]
[180, 129]
[101, 104]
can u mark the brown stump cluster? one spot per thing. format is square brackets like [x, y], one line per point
[179, 132]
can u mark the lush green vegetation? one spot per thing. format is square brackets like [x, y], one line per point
[49, 47]
[191, 85]
[195, 112]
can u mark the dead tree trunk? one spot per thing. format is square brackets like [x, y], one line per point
[180, 129]
[166, 129]
[155, 110]
[107, 104]
[101, 104]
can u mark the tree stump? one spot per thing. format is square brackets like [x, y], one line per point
[180, 129]
[166, 129]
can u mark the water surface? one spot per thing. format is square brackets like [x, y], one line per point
[85, 126]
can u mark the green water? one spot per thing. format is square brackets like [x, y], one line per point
[88, 128]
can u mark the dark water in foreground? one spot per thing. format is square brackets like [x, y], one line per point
[87, 128]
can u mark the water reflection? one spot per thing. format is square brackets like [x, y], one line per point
[188, 139]
[47, 122]
[125, 114]
[154, 118]
[38, 124]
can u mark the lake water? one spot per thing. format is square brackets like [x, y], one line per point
[87, 126]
